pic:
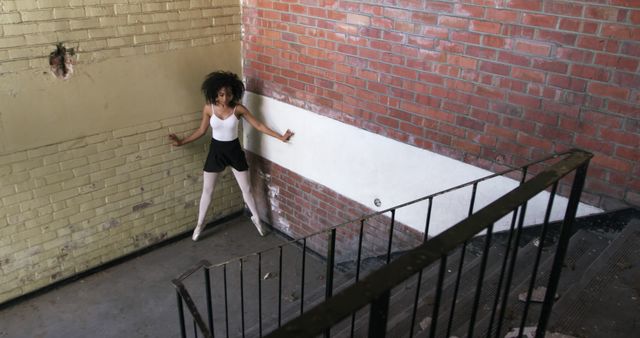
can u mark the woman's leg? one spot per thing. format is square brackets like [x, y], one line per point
[208, 185]
[245, 186]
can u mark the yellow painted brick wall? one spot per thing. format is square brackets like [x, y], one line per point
[67, 207]
[102, 29]
[86, 171]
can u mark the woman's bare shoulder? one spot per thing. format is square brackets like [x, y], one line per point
[241, 110]
[207, 109]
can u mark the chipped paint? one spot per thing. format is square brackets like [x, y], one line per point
[110, 223]
[141, 206]
[276, 212]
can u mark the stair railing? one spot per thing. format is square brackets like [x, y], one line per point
[374, 290]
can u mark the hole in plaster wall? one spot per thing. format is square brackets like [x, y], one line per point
[61, 61]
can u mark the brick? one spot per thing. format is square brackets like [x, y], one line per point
[99, 175]
[466, 122]
[59, 3]
[5, 170]
[82, 216]
[47, 190]
[14, 41]
[58, 177]
[611, 163]
[17, 198]
[601, 13]
[527, 74]
[20, 29]
[495, 68]
[627, 80]
[28, 185]
[557, 134]
[54, 243]
[10, 210]
[565, 39]
[600, 89]
[93, 45]
[501, 15]
[567, 82]
[465, 36]
[628, 139]
[551, 66]
[590, 42]
[539, 20]
[618, 62]
[534, 48]
[43, 37]
[7, 190]
[75, 182]
[86, 169]
[518, 31]
[125, 8]
[634, 17]
[26, 165]
[357, 19]
[73, 163]
[453, 22]
[33, 52]
[631, 153]
[39, 15]
[9, 18]
[42, 151]
[485, 26]
[531, 5]
[74, 35]
[162, 6]
[16, 178]
[69, 13]
[589, 72]
[496, 42]
[621, 32]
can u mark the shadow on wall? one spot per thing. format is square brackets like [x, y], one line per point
[250, 141]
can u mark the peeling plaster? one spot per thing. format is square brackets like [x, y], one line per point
[276, 212]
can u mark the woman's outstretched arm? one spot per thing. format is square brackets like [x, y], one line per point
[202, 129]
[244, 112]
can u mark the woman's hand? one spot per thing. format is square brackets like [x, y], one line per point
[175, 140]
[286, 136]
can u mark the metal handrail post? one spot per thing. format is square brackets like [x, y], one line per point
[331, 248]
[561, 249]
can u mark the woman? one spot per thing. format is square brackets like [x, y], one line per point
[223, 111]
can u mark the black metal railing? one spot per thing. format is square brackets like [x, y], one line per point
[349, 284]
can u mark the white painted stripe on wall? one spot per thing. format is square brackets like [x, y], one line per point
[363, 166]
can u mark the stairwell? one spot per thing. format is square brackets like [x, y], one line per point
[467, 281]
[598, 294]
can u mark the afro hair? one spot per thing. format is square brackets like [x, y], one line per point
[221, 79]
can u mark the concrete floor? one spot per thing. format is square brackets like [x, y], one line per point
[132, 299]
[137, 299]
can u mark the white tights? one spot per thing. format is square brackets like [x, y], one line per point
[209, 183]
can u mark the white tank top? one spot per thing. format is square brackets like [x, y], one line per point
[224, 130]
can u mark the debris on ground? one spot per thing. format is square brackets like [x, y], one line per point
[527, 332]
[530, 332]
[537, 295]
[424, 324]
[292, 297]
[268, 275]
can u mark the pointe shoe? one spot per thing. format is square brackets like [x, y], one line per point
[196, 232]
[261, 228]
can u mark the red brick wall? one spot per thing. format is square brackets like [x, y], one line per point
[483, 81]
[300, 207]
